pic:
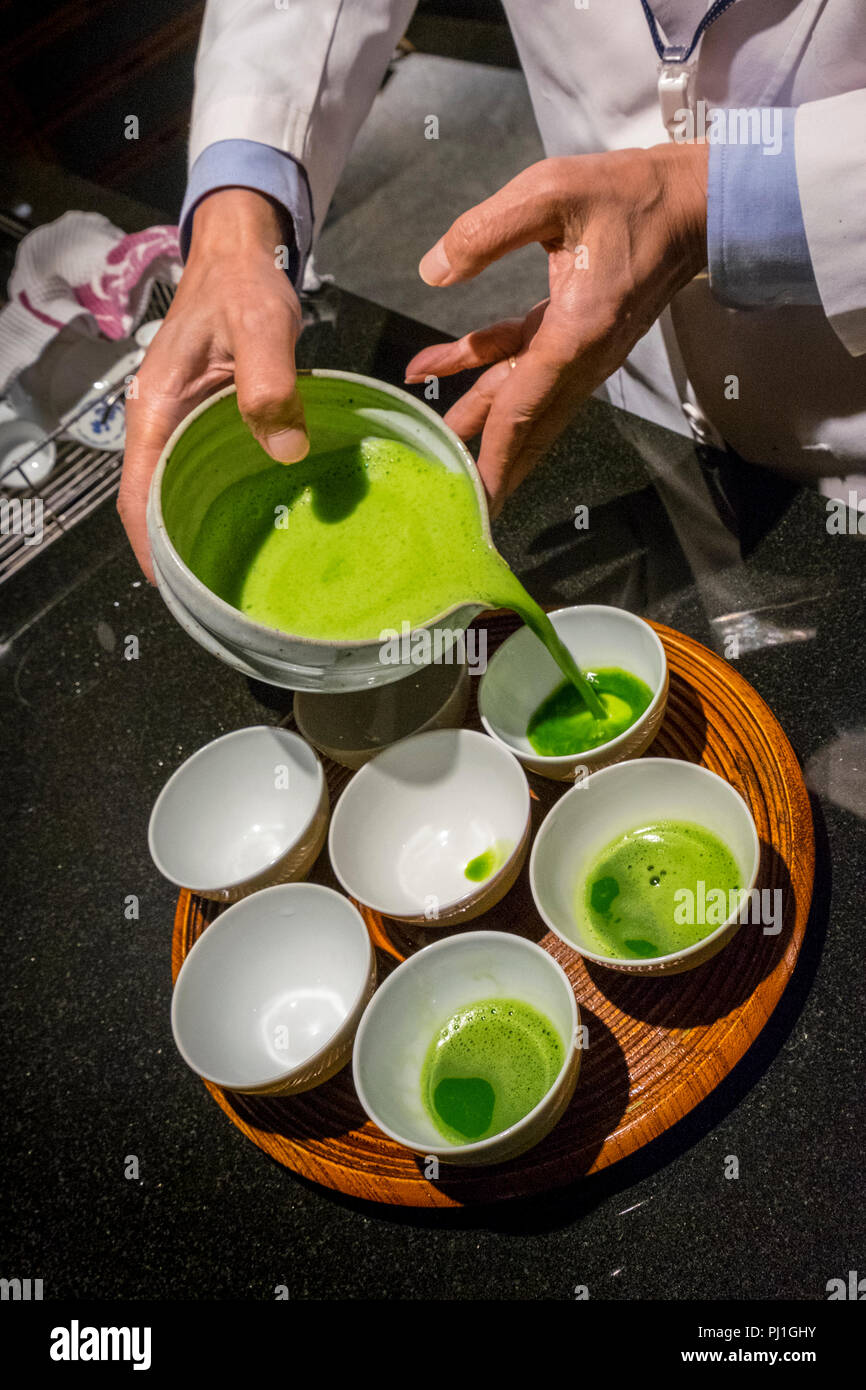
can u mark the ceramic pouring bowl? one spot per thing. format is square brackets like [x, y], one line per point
[213, 448]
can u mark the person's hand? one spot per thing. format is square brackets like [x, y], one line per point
[623, 233]
[235, 316]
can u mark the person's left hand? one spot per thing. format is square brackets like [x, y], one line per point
[623, 233]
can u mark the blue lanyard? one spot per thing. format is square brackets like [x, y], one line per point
[676, 52]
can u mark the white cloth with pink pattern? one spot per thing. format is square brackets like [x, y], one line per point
[81, 266]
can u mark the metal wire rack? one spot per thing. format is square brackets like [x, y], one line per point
[80, 479]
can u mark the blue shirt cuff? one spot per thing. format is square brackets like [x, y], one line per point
[250, 164]
[757, 249]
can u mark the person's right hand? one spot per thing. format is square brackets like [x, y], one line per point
[235, 316]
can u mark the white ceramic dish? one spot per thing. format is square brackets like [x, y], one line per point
[270, 996]
[413, 819]
[248, 810]
[522, 674]
[22, 439]
[415, 1002]
[619, 799]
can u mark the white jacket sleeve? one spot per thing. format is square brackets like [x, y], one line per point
[830, 141]
[299, 75]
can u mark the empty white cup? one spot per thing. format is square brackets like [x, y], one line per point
[352, 727]
[269, 997]
[248, 810]
[20, 440]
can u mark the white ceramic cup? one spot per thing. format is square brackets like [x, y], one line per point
[413, 820]
[352, 728]
[248, 810]
[522, 674]
[413, 1005]
[270, 996]
[22, 439]
[608, 805]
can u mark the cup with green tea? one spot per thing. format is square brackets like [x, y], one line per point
[468, 1053]
[526, 704]
[650, 867]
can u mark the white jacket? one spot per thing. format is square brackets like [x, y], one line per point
[301, 75]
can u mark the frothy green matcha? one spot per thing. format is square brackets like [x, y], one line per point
[338, 545]
[631, 901]
[349, 544]
[490, 1064]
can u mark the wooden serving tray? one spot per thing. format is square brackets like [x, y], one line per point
[657, 1046]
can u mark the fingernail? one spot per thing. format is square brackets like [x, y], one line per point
[287, 446]
[435, 267]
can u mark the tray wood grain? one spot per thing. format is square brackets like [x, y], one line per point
[657, 1047]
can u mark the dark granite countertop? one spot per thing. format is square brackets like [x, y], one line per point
[91, 1073]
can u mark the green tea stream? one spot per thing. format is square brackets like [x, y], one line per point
[348, 544]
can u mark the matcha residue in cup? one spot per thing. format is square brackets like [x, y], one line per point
[487, 863]
[562, 724]
[488, 1066]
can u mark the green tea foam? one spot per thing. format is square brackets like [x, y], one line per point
[631, 900]
[489, 1065]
